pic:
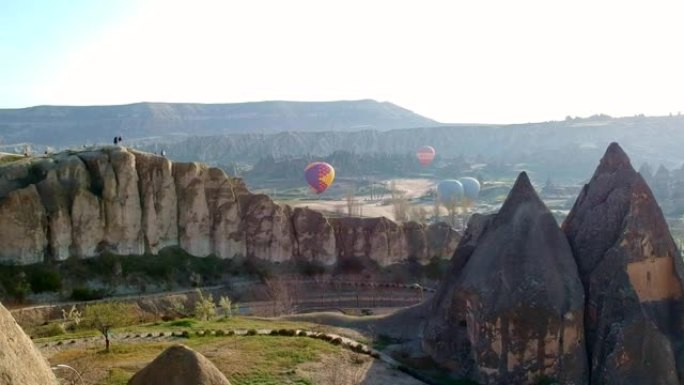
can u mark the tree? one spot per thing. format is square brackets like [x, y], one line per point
[282, 295]
[205, 308]
[400, 203]
[226, 306]
[352, 206]
[71, 319]
[106, 316]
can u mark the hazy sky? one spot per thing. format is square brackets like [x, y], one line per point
[454, 61]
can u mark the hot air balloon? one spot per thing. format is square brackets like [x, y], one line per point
[450, 192]
[471, 188]
[425, 155]
[319, 175]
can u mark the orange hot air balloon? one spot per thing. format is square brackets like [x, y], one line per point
[425, 155]
[319, 175]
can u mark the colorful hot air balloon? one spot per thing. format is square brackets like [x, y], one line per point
[319, 175]
[425, 155]
[471, 188]
[450, 192]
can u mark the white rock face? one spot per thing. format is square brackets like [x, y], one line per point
[159, 212]
[193, 213]
[227, 240]
[128, 202]
[87, 224]
[267, 227]
[22, 220]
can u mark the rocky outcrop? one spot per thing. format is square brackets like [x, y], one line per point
[22, 219]
[20, 361]
[179, 365]
[127, 202]
[632, 274]
[510, 311]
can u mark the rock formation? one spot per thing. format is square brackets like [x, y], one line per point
[20, 361]
[511, 308]
[179, 365]
[661, 184]
[632, 274]
[128, 202]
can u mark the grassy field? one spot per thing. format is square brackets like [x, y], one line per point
[245, 360]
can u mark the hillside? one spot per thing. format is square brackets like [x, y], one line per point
[64, 125]
[562, 149]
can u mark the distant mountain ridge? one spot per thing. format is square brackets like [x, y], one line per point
[64, 125]
[559, 149]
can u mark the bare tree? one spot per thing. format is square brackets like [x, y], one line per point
[418, 214]
[353, 207]
[435, 204]
[281, 294]
[400, 203]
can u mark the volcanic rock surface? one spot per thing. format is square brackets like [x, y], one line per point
[632, 274]
[20, 361]
[132, 203]
[511, 309]
[179, 365]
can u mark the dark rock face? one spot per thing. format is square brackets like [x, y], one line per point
[512, 307]
[632, 275]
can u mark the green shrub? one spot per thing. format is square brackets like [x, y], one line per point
[220, 333]
[544, 380]
[273, 332]
[49, 330]
[251, 332]
[87, 294]
[183, 323]
[336, 341]
[44, 279]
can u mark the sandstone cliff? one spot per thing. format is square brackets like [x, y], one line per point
[20, 361]
[128, 202]
[511, 309]
[632, 275]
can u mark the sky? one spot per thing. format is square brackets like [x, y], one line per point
[454, 61]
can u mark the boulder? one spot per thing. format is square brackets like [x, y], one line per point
[179, 365]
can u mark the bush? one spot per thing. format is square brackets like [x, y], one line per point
[302, 333]
[44, 279]
[220, 333]
[337, 341]
[87, 294]
[49, 330]
[273, 332]
[183, 323]
[185, 334]
[544, 380]
[287, 332]
[251, 332]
